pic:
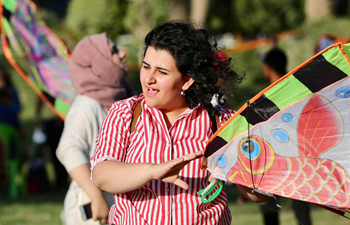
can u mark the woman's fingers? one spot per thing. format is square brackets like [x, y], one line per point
[181, 183]
[187, 158]
[192, 156]
[168, 171]
[103, 221]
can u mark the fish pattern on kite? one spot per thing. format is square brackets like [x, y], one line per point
[37, 54]
[293, 138]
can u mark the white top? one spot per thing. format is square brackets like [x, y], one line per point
[81, 128]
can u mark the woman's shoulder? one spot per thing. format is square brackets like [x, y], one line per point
[84, 100]
[84, 104]
[84, 108]
[127, 105]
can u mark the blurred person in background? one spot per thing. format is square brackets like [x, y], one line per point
[48, 132]
[10, 105]
[274, 67]
[10, 130]
[98, 70]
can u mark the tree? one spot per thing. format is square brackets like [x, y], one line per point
[199, 11]
[87, 17]
[256, 16]
[143, 15]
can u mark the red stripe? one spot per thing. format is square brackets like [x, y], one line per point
[153, 142]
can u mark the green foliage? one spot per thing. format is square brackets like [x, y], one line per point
[248, 64]
[255, 16]
[87, 17]
[220, 17]
[268, 16]
[143, 15]
[153, 11]
[113, 20]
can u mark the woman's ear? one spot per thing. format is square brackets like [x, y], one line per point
[188, 82]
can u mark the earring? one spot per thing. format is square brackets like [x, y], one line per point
[182, 93]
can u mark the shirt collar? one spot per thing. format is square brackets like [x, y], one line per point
[155, 111]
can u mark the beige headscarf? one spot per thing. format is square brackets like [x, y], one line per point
[93, 72]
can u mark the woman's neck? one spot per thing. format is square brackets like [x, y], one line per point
[171, 116]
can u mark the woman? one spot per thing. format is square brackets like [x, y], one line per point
[155, 170]
[97, 71]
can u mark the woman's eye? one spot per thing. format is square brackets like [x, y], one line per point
[163, 72]
[145, 66]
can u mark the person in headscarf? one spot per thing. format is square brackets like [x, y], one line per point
[98, 70]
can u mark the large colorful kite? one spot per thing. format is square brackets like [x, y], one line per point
[293, 138]
[37, 54]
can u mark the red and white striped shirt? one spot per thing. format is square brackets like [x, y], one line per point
[158, 202]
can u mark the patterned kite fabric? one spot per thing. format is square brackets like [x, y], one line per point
[292, 139]
[37, 54]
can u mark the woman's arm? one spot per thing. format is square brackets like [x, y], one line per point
[120, 177]
[99, 206]
[80, 130]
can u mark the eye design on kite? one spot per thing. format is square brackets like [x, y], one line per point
[287, 117]
[255, 154]
[343, 92]
[250, 148]
[220, 161]
[280, 135]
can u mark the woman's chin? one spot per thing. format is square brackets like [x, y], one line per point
[150, 102]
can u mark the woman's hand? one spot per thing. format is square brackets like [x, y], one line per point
[121, 177]
[169, 171]
[99, 206]
[100, 209]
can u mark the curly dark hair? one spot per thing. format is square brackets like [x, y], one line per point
[196, 54]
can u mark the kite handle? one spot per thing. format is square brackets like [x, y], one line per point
[204, 192]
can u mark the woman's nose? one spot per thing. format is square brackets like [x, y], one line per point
[150, 79]
[122, 53]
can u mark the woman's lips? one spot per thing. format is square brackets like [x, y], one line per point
[152, 92]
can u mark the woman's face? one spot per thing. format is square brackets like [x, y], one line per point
[118, 56]
[162, 82]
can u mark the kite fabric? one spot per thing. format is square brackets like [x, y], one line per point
[293, 138]
[37, 54]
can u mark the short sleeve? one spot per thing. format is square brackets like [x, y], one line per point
[112, 141]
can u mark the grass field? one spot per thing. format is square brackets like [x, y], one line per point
[44, 209]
